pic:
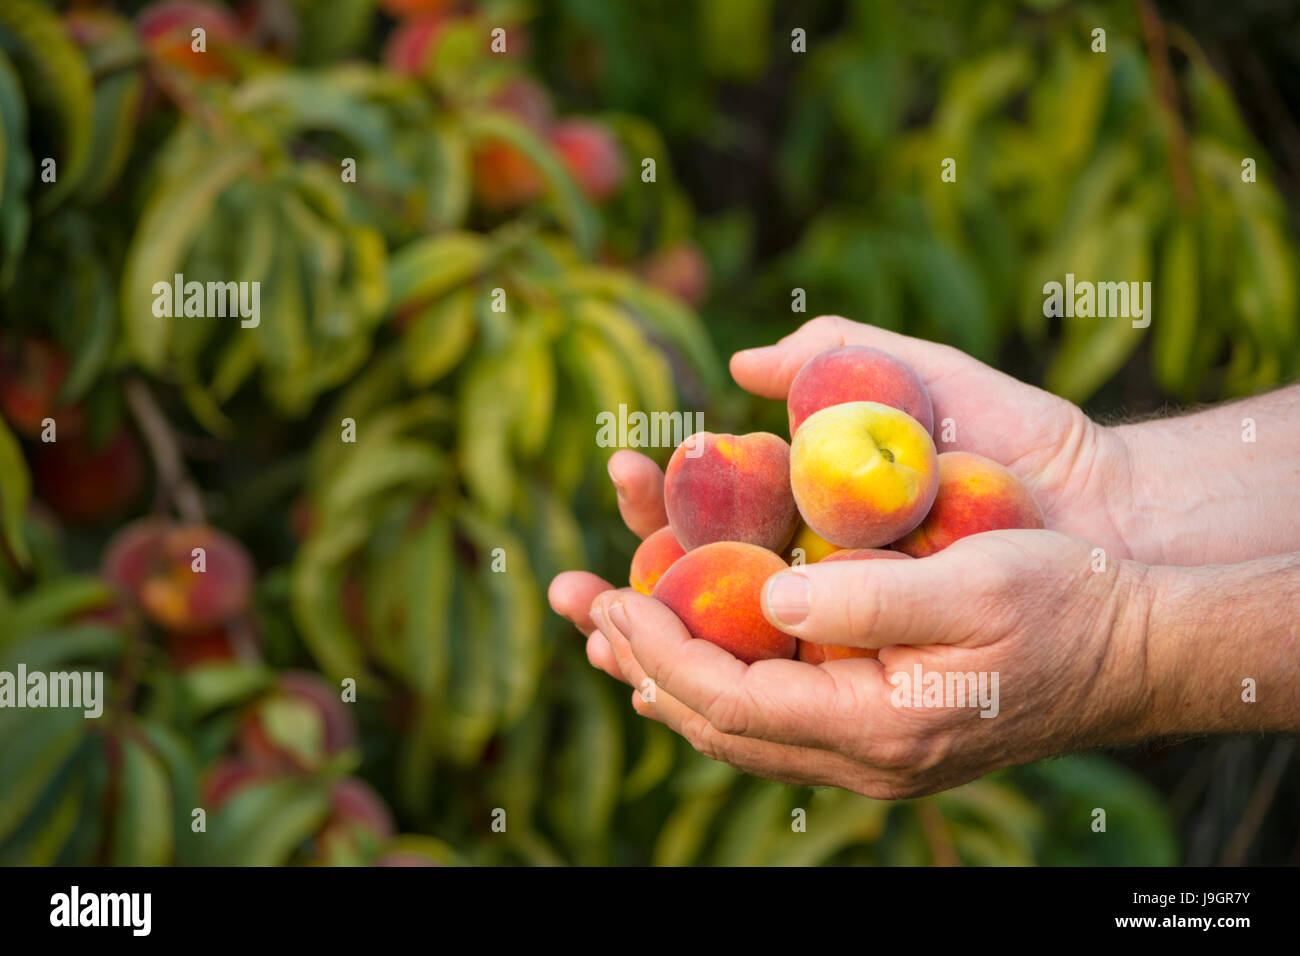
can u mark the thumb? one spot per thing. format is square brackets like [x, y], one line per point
[875, 604]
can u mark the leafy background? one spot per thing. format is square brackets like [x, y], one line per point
[374, 560]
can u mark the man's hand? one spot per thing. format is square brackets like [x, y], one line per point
[1047, 649]
[1089, 649]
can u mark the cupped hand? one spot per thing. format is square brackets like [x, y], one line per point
[1036, 648]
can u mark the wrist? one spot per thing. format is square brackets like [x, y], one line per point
[1125, 693]
[1221, 655]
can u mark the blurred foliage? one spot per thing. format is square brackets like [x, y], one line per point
[1067, 160]
[414, 560]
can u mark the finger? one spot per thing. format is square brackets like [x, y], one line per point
[782, 701]
[936, 600]
[774, 761]
[768, 371]
[602, 657]
[571, 594]
[639, 483]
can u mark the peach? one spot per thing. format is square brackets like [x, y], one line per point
[592, 156]
[680, 270]
[167, 30]
[410, 46]
[975, 494]
[863, 474]
[504, 178]
[182, 598]
[811, 546]
[296, 727]
[716, 590]
[653, 557]
[857, 373]
[85, 483]
[32, 373]
[731, 488]
[812, 653]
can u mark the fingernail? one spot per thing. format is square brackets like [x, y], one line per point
[758, 352]
[617, 616]
[618, 486]
[789, 598]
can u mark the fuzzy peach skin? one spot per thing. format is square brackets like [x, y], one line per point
[716, 589]
[863, 474]
[975, 494]
[811, 546]
[857, 373]
[731, 488]
[653, 557]
[813, 653]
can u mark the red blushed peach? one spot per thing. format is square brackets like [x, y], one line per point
[31, 375]
[87, 484]
[857, 373]
[820, 653]
[863, 474]
[716, 590]
[187, 592]
[653, 557]
[592, 156]
[731, 488]
[807, 546]
[975, 494]
[297, 726]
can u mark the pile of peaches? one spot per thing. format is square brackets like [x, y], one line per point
[861, 479]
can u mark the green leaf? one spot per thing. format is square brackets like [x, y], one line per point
[589, 767]
[264, 823]
[172, 218]
[142, 832]
[438, 337]
[210, 686]
[486, 408]
[30, 760]
[1175, 329]
[428, 268]
[15, 489]
[53, 602]
[57, 78]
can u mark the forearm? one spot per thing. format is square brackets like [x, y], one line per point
[1217, 486]
[1221, 648]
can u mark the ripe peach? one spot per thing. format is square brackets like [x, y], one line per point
[731, 488]
[85, 483]
[653, 557]
[857, 373]
[167, 29]
[975, 494]
[297, 726]
[181, 598]
[820, 653]
[226, 777]
[359, 824]
[526, 100]
[863, 474]
[716, 591]
[504, 178]
[412, 8]
[680, 270]
[813, 546]
[592, 156]
[410, 45]
[190, 650]
[31, 374]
